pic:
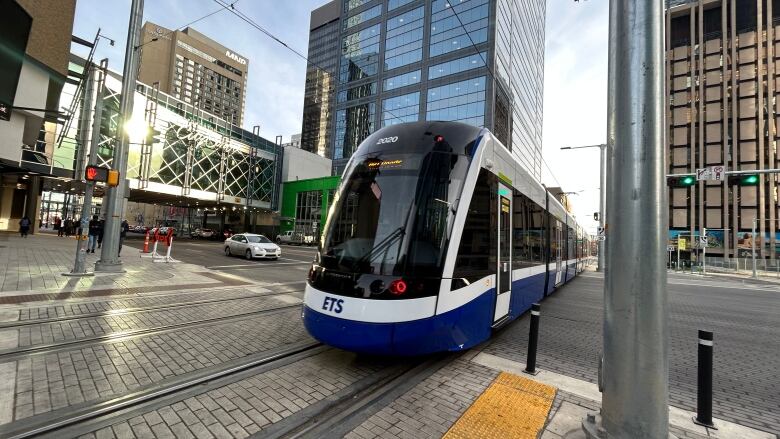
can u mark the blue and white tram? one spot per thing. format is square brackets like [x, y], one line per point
[436, 237]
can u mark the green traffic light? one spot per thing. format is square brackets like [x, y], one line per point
[750, 179]
[687, 181]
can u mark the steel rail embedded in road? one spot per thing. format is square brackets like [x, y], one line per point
[135, 310]
[8, 354]
[335, 417]
[83, 413]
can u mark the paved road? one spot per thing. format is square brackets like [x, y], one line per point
[744, 317]
[292, 266]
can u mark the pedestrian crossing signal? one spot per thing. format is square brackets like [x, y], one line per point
[96, 174]
[99, 174]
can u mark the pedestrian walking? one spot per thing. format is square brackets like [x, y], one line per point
[68, 227]
[58, 226]
[123, 228]
[100, 233]
[24, 226]
[94, 231]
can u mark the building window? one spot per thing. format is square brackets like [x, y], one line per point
[462, 101]
[308, 209]
[392, 4]
[400, 109]
[447, 33]
[360, 54]
[403, 44]
[352, 4]
[353, 125]
[402, 80]
[358, 92]
[362, 17]
[474, 61]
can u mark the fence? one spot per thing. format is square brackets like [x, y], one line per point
[764, 267]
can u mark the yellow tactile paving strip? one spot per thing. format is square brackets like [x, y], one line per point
[511, 407]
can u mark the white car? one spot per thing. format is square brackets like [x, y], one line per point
[252, 246]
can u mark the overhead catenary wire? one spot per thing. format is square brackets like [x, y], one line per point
[492, 75]
[186, 25]
[237, 12]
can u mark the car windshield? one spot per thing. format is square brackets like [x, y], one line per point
[258, 239]
[393, 213]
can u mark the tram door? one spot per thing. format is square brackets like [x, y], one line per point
[504, 269]
[558, 254]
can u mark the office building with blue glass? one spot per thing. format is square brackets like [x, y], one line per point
[475, 61]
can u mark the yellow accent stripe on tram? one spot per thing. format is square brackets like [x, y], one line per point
[511, 407]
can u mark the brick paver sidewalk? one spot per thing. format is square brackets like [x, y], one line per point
[35, 265]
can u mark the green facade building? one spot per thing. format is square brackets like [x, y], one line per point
[305, 204]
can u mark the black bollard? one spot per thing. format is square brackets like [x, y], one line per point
[704, 393]
[533, 339]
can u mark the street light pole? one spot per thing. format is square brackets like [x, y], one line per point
[115, 196]
[753, 248]
[602, 195]
[79, 267]
[635, 398]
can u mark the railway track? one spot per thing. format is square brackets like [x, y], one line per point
[135, 310]
[82, 418]
[16, 353]
[337, 416]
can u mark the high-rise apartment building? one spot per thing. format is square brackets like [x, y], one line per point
[196, 69]
[722, 83]
[319, 95]
[474, 61]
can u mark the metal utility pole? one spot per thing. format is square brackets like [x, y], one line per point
[115, 196]
[635, 398]
[602, 195]
[79, 266]
[753, 248]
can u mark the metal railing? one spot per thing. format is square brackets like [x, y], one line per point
[744, 266]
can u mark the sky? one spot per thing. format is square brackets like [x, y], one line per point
[574, 87]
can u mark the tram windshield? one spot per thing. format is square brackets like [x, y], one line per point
[394, 212]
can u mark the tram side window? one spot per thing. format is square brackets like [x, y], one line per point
[522, 255]
[571, 242]
[536, 233]
[477, 243]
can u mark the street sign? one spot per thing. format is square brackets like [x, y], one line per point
[718, 173]
[671, 248]
[682, 243]
[711, 173]
[702, 241]
[601, 234]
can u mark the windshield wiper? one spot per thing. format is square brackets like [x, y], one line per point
[383, 245]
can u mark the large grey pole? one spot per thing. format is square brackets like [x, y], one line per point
[635, 394]
[79, 266]
[115, 197]
[753, 248]
[602, 202]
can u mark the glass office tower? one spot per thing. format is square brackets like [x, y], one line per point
[475, 61]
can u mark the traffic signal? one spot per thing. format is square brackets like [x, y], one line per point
[100, 174]
[684, 181]
[743, 180]
[96, 174]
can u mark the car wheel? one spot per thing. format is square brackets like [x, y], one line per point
[227, 251]
[248, 255]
